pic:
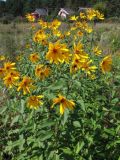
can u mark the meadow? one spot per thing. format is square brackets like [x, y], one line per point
[59, 89]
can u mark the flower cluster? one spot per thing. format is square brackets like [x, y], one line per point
[54, 48]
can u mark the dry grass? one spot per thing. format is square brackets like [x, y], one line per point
[12, 36]
[108, 26]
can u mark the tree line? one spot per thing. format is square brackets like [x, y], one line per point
[21, 7]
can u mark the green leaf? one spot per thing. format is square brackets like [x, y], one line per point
[13, 131]
[57, 85]
[3, 109]
[46, 124]
[77, 84]
[82, 104]
[49, 94]
[46, 136]
[67, 150]
[15, 119]
[5, 120]
[110, 131]
[114, 101]
[65, 117]
[79, 147]
[22, 106]
[76, 124]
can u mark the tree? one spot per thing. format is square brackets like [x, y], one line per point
[15, 7]
[2, 8]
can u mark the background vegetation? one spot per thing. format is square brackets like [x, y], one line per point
[21, 7]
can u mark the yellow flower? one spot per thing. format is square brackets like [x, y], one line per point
[82, 15]
[43, 24]
[55, 24]
[78, 51]
[34, 57]
[18, 58]
[77, 62]
[74, 67]
[40, 32]
[30, 17]
[78, 24]
[106, 64]
[42, 71]
[99, 15]
[14, 74]
[57, 53]
[97, 51]
[91, 14]
[67, 33]
[64, 103]
[83, 25]
[92, 76]
[88, 29]
[40, 37]
[34, 102]
[86, 66]
[78, 48]
[80, 34]
[73, 28]
[2, 58]
[11, 79]
[57, 33]
[8, 66]
[25, 85]
[74, 18]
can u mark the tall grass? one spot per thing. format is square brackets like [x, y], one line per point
[12, 36]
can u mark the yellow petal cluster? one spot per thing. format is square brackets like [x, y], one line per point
[106, 64]
[42, 71]
[58, 53]
[63, 103]
[34, 57]
[25, 85]
[34, 102]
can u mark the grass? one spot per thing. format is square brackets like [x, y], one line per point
[12, 36]
[107, 34]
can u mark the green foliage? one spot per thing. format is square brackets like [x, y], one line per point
[113, 8]
[91, 132]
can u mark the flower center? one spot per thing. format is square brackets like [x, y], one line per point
[62, 100]
[54, 50]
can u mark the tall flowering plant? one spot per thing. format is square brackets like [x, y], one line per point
[54, 92]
